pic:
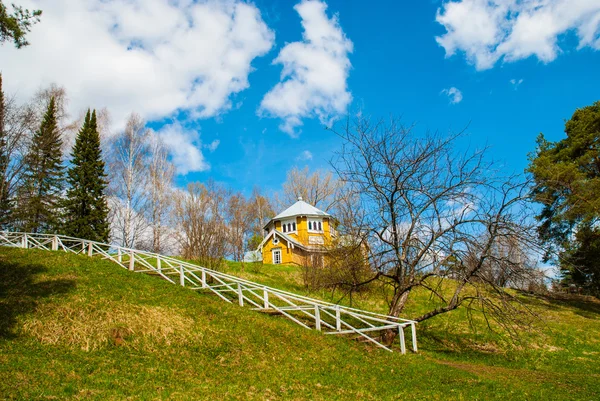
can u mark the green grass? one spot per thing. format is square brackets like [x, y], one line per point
[72, 327]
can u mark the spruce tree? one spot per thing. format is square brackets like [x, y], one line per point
[40, 194]
[85, 207]
[5, 204]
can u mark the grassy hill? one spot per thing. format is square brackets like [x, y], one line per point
[72, 327]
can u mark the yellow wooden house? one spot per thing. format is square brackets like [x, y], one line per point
[298, 235]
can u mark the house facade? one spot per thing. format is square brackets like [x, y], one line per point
[298, 235]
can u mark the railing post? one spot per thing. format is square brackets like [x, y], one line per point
[317, 318]
[338, 320]
[240, 294]
[204, 279]
[402, 341]
[158, 266]
[55, 243]
[413, 329]
[24, 243]
[90, 249]
[119, 255]
[131, 260]
[266, 298]
[181, 276]
[82, 246]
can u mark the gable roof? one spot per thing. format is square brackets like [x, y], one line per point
[300, 208]
[285, 237]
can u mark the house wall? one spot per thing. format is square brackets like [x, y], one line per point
[286, 252]
[296, 256]
[326, 230]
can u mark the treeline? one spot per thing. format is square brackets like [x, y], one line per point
[43, 190]
[119, 187]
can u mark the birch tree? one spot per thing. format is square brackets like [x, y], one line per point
[129, 178]
[160, 188]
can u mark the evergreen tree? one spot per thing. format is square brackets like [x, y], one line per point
[16, 25]
[566, 178]
[5, 204]
[39, 196]
[86, 210]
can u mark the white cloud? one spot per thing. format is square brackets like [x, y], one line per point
[490, 30]
[516, 83]
[213, 145]
[154, 57]
[305, 156]
[184, 147]
[453, 94]
[313, 80]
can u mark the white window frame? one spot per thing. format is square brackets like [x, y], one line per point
[313, 223]
[273, 253]
[293, 224]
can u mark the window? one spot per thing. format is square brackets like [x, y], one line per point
[315, 225]
[276, 256]
[288, 226]
[275, 240]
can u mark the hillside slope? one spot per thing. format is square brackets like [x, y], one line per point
[72, 327]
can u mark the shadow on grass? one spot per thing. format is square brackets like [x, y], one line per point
[582, 305]
[20, 292]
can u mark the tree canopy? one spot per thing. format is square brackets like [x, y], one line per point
[85, 204]
[566, 177]
[16, 25]
[43, 181]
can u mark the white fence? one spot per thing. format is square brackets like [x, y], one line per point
[307, 312]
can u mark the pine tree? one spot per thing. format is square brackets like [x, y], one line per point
[39, 196]
[5, 204]
[86, 210]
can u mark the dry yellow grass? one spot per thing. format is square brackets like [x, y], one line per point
[93, 325]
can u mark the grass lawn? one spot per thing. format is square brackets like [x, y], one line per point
[72, 327]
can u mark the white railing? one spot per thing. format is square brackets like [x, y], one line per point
[307, 312]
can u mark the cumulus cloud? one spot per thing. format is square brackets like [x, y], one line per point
[305, 156]
[154, 57]
[489, 30]
[213, 145]
[453, 94]
[184, 147]
[315, 71]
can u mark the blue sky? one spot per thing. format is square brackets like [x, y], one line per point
[398, 68]
[521, 68]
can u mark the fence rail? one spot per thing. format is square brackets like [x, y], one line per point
[306, 312]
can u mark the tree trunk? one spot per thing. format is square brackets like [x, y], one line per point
[396, 307]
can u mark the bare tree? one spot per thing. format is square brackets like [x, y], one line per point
[321, 189]
[428, 214]
[201, 219]
[239, 221]
[160, 188]
[129, 174]
[261, 211]
[18, 126]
